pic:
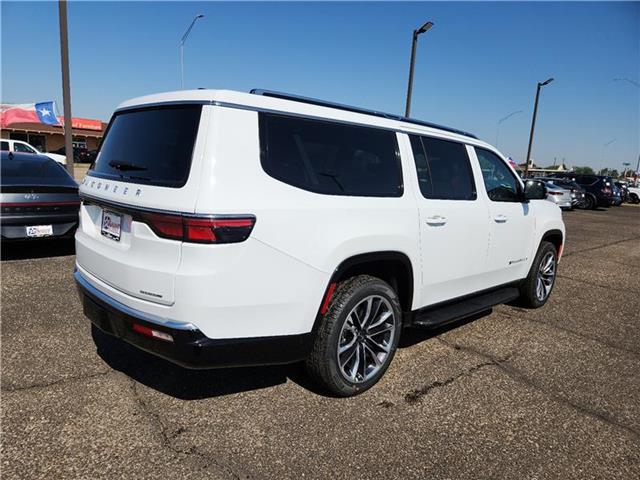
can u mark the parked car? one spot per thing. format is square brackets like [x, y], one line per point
[80, 155]
[577, 192]
[306, 230]
[598, 191]
[616, 195]
[634, 194]
[92, 155]
[557, 194]
[560, 196]
[624, 190]
[9, 145]
[39, 199]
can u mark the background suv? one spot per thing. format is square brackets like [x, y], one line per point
[224, 228]
[598, 192]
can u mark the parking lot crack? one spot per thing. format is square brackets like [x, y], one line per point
[60, 381]
[572, 332]
[520, 377]
[166, 439]
[596, 247]
[593, 284]
[415, 395]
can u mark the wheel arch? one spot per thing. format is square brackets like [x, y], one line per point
[393, 267]
[556, 237]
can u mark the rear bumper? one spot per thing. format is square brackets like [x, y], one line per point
[13, 227]
[190, 348]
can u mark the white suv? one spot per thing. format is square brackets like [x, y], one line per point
[221, 228]
[24, 147]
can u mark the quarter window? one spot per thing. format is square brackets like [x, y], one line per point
[444, 171]
[20, 147]
[499, 181]
[330, 158]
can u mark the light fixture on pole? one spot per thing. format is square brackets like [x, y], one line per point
[184, 39]
[533, 124]
[414, 46]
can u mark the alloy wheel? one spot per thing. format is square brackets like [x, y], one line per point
[546, 276]
[366, 339]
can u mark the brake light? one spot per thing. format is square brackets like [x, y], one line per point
[199, 229]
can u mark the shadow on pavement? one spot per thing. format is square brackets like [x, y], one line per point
[37, 249]
[184, 383]
[187, 384]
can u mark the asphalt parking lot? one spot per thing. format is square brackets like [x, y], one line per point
[550, 393]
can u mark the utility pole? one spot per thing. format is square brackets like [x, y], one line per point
[66, 85]
[533, 124]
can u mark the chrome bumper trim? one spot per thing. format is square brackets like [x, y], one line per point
[147, 317]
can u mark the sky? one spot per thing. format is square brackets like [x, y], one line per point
[480, 62]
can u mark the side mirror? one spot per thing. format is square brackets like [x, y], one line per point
[535, 190]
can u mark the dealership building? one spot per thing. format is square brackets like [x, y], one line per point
[87, 134]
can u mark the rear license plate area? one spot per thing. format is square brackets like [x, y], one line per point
[37, 231]
[111, 226]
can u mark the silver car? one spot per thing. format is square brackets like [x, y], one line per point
[559, 196]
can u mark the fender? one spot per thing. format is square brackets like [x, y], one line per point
[367, 263]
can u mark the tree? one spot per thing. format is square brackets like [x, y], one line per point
[584, 170]
[609, 172]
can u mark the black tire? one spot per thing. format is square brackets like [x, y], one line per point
[589, 202]
[322, 364]
[633, 198]
[529, 287]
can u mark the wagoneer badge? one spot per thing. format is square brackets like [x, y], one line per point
[107, 187]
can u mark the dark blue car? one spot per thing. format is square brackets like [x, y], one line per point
[39, 199]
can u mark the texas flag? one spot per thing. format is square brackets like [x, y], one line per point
[43, 112]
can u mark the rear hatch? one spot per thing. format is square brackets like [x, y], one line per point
[144, 174]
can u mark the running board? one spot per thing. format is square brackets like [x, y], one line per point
[458, 309]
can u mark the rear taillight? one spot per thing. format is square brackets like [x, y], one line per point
[196, 229]
[606, 190]
[554, 193]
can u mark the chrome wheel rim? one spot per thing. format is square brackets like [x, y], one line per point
[366, 339]
[546, 276]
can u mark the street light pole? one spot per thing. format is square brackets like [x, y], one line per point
[66, 85]
[502, 120]
[533, 124]
[184, 39]
[414, 46]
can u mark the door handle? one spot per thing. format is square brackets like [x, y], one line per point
[436, 220]
[500, 218]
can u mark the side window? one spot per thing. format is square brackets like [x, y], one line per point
[5, 146]
[21, 147]
[499, 181]
[330, 158]
[422, 166]
[444, 171]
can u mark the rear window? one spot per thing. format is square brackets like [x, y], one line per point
[330, 158]
[151, 145]
[444, 171]
[15, 171]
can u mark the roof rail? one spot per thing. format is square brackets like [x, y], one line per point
[349, 108]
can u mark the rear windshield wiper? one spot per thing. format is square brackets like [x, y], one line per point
[125, 166]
